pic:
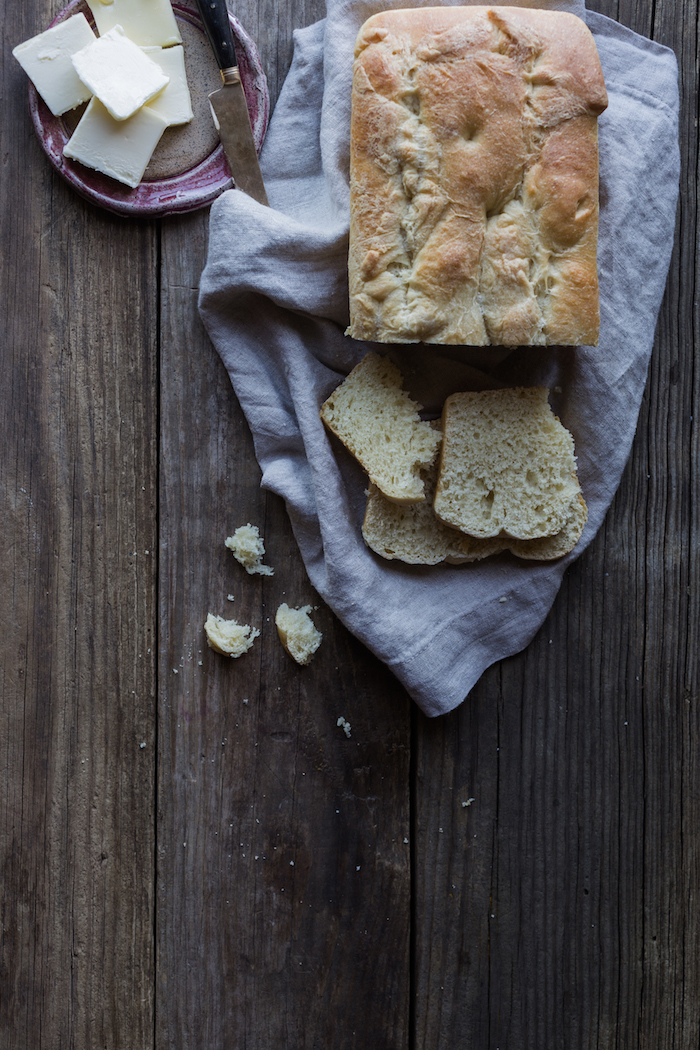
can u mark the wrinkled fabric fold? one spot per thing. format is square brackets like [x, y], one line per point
[274, 300]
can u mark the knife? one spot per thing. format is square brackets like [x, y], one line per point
[229, 103]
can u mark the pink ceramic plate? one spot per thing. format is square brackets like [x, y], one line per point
[188, 169]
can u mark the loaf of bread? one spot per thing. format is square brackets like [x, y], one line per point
[474, 178]
[379, 423]
[507, 466]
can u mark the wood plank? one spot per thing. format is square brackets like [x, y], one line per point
[556, 910]
[670, 960]
[77, 639]
[283, 848]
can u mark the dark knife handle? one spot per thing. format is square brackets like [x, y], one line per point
[215, 17]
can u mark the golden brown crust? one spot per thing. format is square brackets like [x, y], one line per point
[474, 178]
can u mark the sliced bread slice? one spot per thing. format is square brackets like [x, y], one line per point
[507, 466]
[413, 534]
[550, 547]
[379, 423]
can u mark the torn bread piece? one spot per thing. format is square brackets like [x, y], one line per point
[297, 632]
[507, 466]
[379, 423]
[229, 637]
[248, 548]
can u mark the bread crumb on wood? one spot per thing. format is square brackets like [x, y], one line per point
[345, 726]
[297, 632]
[248, 549]
[229, 637]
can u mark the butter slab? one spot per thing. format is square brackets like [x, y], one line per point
[46, 59]
[146, 22]
[173, 103]
[118, 148]
[119, 73]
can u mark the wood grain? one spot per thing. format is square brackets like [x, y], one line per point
[283, 845]
[79, 437]
[281, 841]
[194, 854]
[570, 878]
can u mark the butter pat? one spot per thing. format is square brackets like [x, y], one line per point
[119, 148]
[146, 22]
[46, 59]
[118, 72]
[173, 102]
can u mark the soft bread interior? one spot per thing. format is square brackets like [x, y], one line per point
[379, 423]
[507, 466]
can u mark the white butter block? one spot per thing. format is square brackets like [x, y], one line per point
[46, 59]
[146, 22]
[119, 73]
[173, 103]
[120, 148]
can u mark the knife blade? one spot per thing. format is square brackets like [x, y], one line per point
[229, 103]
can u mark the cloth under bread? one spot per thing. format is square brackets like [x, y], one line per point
[274, 298]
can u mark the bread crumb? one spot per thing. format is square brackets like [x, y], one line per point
[248, 549]
[345, 726]
[297, 632]
[229, 637]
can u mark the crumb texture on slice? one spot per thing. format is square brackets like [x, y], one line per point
[413, 534]
[547, 548]
[379, 424]
[507, 465]
[229, 637]
[297, 632]
[248, 548]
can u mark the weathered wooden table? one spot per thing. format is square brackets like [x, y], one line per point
[194, 855]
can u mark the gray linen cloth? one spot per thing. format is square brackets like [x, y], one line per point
[274, 300]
